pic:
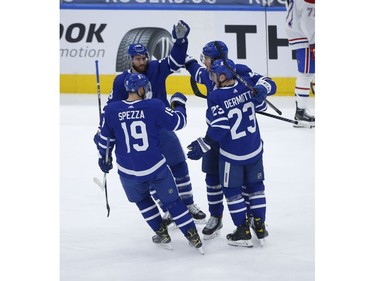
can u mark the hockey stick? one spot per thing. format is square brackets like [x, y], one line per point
[295, 122]
[195, 88]
[96, 180]
[98, 88]
[218, 47]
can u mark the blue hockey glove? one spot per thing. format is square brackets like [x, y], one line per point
[178, 99]
[181, 30]
[189, 60]
[198, 148]
[262, 89]
[105, 166]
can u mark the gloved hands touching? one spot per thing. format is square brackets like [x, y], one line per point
[105, 166]
[178, 99]
[181, 30]
[198, 148]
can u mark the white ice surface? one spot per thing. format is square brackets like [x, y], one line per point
[119, 248]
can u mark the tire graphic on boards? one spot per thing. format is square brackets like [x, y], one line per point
[157, 41]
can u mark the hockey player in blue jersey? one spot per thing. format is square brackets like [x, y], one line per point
[132, 127]
[157, 73]
[231, 116]
[210, 160]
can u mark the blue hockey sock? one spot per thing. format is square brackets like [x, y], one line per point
[181, 216]
[181, 174]
[150, 213]
[215, 195]
[236, 205]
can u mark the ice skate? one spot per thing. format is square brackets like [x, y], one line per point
[259, 228]
[212, 228]
[198, 216]
[304, 117]
[195, 240]
[162, 238]
[240, 237]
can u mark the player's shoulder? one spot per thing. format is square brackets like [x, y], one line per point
[122, 76]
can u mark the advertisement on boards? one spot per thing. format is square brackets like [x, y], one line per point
[254, 38]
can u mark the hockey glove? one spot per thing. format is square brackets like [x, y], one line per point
[178, 99]
[198, 148]
[261, 89]
[181, 30]
[105, 166]
[189, 60]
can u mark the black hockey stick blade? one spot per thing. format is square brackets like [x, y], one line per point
[195, 88]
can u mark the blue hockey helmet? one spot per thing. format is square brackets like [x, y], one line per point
[137, 50]
[218, 68]
[136, 80]
[210, 50]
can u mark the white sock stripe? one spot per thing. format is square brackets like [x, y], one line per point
[152, 217]
[238, 211]
[181, 215]
[215, 193]
[186, 193]
[185, 223]
[183, 184]
[215, 202]
[148, 209]
[258, 206]
[152, 192]
[213, 186]
[236, 202]
[257, 197]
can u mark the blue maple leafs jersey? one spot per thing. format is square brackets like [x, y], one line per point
[157, 72]
[232, 122]
[133, 128]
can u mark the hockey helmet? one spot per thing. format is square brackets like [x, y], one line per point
[218, 68]
[137, 50]
[134, 81]
[210, 50]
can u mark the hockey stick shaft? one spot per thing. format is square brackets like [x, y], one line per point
[299, 123]
[98, 87]
[105, 178]
[218, 47]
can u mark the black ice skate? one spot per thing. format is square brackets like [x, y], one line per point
[305, 119]
[212, 228]
[162, 237]
[240, 237]
[259, 228]
[197, 214]
[195, 240]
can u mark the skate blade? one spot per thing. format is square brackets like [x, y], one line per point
[211, 236]
[262, 241]
[304, 124]
[202, 221]
[165, 246]
[200, 250]
[241, 243]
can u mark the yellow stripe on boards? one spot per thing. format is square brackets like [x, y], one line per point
[86, 84]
